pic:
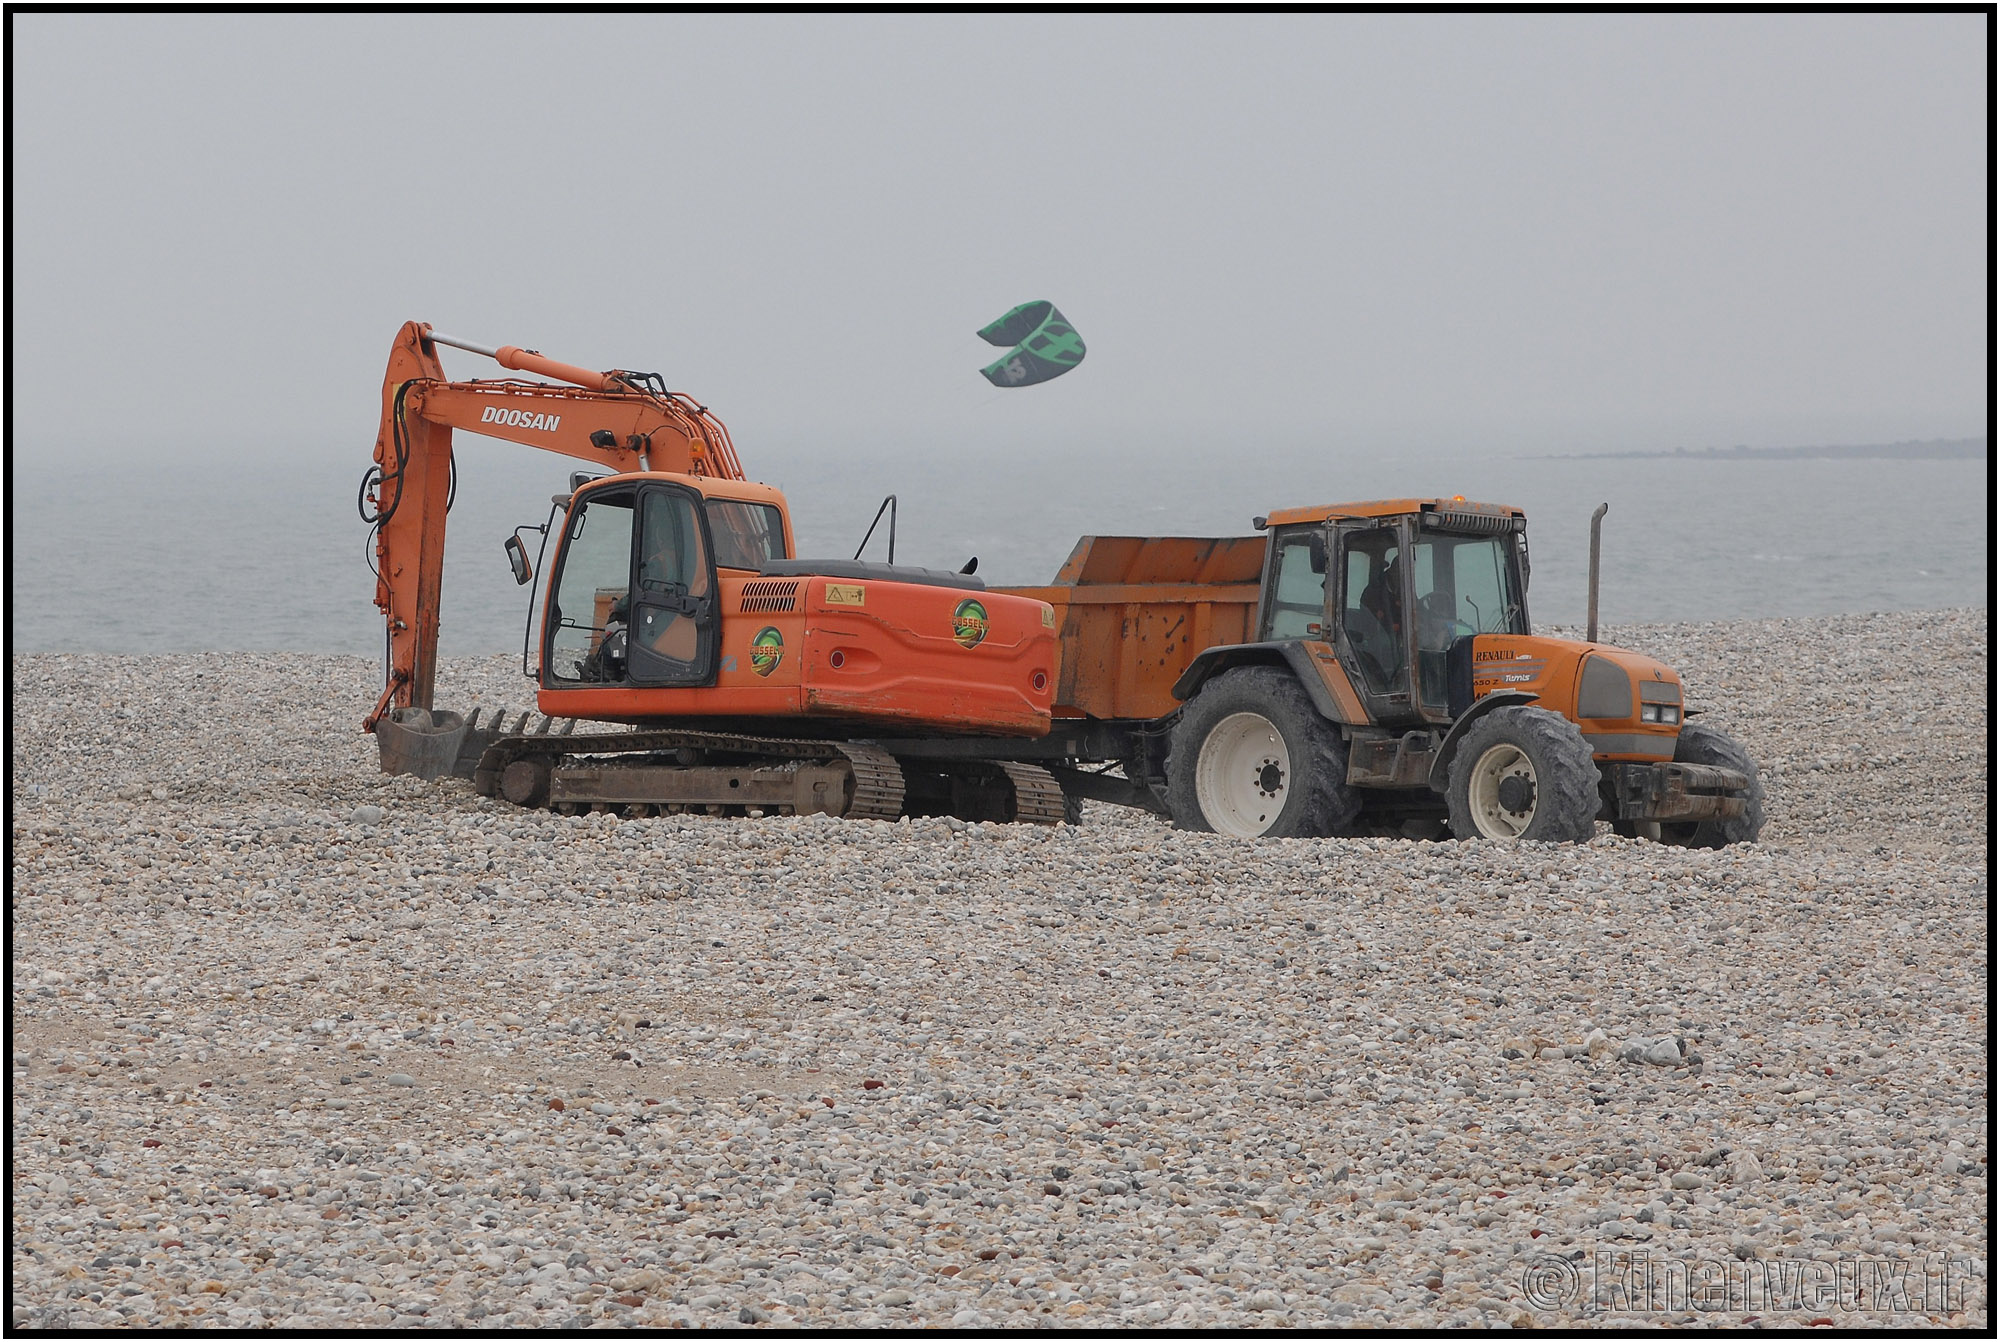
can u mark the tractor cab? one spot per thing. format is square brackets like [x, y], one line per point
[1399, 589]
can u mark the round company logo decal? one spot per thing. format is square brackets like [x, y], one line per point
[766, 651]
[968, 624]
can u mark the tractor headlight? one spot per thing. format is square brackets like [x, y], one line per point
[1649, 712]
[1666, 713]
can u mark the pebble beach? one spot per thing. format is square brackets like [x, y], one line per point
[298, 1044]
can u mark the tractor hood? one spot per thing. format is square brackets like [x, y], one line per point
[1628, 705]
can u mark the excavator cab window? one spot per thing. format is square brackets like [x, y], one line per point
[747, 535]
[674, 626]
[585, 638]
[634, 592]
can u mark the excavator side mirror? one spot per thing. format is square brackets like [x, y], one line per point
[517, 557]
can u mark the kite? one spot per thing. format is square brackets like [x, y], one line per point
[1045, 346]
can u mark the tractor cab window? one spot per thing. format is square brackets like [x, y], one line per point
[747, 535]
[1298, 592]
[586, 641]
[1464, 585]
[1372, 605]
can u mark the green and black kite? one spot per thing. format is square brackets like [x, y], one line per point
[1045, 346]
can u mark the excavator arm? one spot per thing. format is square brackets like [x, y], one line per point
[618, 420]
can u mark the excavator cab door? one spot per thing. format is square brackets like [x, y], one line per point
[675, 627]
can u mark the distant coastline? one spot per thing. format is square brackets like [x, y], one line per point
[1931, 449]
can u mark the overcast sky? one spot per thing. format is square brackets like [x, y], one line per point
[1513, 233]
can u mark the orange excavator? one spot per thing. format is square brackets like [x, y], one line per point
[675, 606]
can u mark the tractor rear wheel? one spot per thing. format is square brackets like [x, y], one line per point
[1705, 745]
[1524, 773]
[1252, 757]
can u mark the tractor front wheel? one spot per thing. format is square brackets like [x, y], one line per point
[1524, 773]
[1705, 745]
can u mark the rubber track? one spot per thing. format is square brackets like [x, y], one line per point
[1038, 798]
[878, 779]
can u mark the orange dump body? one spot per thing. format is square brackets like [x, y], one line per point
[1132, 611]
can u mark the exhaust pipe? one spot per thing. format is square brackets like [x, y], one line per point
[1596, 529]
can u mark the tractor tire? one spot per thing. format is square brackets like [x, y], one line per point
[1251, 758]
[1705, 745]
[1524, 773]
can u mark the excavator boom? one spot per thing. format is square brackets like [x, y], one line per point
[618, 420]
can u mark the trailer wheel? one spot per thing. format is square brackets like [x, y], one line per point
[1524, 773]
[1251, 757]
[1705, 745]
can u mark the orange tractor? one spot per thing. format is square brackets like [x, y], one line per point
[1369, 665]
[1357, 665]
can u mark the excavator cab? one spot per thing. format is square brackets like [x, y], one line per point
[636, 578]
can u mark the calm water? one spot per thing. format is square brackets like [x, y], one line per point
[269, 553]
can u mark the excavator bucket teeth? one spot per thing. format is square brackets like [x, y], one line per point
[475, 744]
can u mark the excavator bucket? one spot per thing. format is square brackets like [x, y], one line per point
[420, 741]
[440, 744]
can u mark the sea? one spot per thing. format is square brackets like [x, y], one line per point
[203, 550]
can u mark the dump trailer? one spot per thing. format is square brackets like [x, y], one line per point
[1365, 664]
